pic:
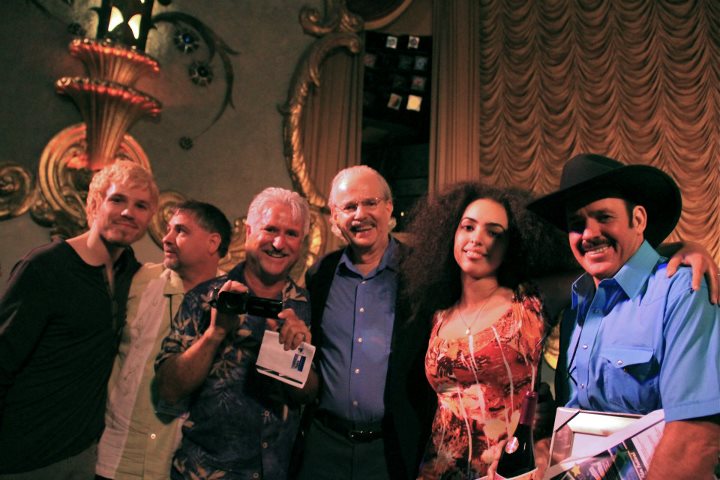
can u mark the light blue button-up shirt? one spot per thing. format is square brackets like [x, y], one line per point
[357, 326]
[643, 341]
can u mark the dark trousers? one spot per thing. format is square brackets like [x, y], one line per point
[329, 455]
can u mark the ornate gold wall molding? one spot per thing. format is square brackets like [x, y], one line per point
[336, 19]
[109, 107]
[16, 190]
[308, 74]
[337, 29]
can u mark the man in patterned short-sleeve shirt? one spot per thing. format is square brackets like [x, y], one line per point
[241, 424]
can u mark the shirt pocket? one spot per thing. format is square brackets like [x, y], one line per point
[630, 378]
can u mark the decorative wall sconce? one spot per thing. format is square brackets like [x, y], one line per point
[125, 21]
[109, 105]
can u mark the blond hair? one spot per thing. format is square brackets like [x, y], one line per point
[122, 172]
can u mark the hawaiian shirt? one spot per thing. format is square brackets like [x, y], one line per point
[240, 423]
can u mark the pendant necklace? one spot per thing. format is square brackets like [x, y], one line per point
[468, 326]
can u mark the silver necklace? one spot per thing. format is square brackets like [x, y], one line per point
[468, 326]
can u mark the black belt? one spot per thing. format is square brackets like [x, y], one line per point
[357, 432]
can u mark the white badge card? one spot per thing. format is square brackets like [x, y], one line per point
[289, 366]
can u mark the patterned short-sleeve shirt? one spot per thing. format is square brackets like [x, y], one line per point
[240, 423]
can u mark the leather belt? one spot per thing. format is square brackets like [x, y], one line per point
[357, 432]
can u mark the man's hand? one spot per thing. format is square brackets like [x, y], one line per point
[294, 331]
[223, 323]
[292, 334]
[698, 258]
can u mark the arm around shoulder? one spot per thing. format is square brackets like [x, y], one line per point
[697, 257]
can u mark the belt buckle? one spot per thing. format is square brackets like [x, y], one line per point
[362, 435]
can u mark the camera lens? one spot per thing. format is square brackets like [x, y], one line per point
[232, 302]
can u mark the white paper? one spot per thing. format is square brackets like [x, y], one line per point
[638, 439]
[289, 366]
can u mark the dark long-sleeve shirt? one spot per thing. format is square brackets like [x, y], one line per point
[58, 337]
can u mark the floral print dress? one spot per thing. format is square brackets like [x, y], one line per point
[480, 381]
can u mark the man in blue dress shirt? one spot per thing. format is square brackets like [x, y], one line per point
[636, 340]
[375, 407]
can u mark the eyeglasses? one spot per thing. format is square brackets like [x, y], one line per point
[369, 204]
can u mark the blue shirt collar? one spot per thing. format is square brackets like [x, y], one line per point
[630, 278]
[389, 260]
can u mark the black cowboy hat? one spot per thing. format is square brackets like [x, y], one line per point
[589, 177]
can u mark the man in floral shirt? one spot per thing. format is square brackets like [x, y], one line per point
[241, 424]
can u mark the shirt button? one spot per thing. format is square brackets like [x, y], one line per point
[354, 403]
[256, 475]
[357, 370]
[619, 362]
[153, 436]
[359, 339]
[362, 309]
[264, 444]
[582, 386]
[584, 347]
[364, 282]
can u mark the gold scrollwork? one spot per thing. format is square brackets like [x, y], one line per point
[236, 251]
[337, 28]
[337, 18]
[16, 190]
[294, 112]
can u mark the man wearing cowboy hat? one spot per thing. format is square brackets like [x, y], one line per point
[634, 339]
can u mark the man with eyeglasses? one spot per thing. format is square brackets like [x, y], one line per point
[375, 409]
[636, 339]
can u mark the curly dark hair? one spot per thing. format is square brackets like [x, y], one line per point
[431, 276]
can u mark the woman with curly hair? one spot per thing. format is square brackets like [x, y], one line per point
[475, 247]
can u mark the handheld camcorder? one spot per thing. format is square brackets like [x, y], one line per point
[242, 302]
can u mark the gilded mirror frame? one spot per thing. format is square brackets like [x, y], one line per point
[339, 27]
